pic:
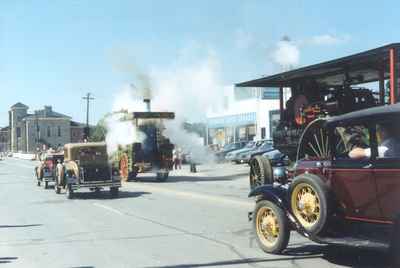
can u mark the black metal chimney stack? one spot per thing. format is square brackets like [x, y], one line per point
[148, 106]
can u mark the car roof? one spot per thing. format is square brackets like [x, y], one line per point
[369, 114]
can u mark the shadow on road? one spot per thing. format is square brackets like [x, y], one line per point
[343, 256]
[106, 195]
[19, 226]
[182, 178]
[234, 262]
[7, 259]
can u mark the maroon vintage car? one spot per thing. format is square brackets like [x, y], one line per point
[344, 188]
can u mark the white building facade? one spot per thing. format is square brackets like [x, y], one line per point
[248, 114]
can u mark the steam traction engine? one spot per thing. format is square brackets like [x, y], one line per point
[154, 153]
[306, 105]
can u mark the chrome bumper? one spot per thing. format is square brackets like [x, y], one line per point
[95, 184]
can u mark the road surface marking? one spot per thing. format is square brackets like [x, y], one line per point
[109, 208]
[192, 195]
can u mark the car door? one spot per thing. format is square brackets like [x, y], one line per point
[387, 170]
[352, 180]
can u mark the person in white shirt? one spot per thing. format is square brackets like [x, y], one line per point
[390, 147]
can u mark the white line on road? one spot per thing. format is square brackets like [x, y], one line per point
[109, 208]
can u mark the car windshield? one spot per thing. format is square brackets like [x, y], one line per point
[92, 155]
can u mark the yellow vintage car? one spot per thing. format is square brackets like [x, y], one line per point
[86, 165]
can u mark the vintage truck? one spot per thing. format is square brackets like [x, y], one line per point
[86, 165]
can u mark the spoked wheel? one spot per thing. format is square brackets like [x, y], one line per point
[260, 171]
[314, 142]
[123, 167]
[309, 202]
[271, 226]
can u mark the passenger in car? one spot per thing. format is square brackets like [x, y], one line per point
[389, 148]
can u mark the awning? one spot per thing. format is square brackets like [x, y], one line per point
[355, 69]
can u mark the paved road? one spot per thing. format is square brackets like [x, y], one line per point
[192, 220]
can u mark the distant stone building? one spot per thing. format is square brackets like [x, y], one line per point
[43, 129]
[4, 139]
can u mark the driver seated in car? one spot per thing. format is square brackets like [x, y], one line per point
[390, 147]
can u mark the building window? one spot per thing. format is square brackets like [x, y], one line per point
[18, 132]
[48, 132]
[59, 131]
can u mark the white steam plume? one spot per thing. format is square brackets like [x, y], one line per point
[188, 90]
[120, 133]
[286, 54]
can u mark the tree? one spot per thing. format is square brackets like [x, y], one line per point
[99, 132]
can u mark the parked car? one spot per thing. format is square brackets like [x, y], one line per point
[277, 158]
[87, 165]
[220, 156]
[45, 172]
[344, 188]
[232, 156]
[261, 146]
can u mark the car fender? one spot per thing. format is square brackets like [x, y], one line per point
[276, 194]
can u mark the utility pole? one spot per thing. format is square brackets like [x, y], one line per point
[88, 98]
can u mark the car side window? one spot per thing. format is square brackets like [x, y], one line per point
[388, 140]
[352, 142]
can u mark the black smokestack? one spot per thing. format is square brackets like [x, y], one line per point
[148, 106]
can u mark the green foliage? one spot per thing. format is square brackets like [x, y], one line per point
[98, 133]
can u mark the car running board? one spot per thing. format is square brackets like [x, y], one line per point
[352, 242]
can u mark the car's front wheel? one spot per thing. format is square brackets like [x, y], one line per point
[271, 227]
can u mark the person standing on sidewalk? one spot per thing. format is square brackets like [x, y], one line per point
[179, 157]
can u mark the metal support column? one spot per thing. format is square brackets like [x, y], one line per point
[394, 73]
[382, 85]
[281, 102]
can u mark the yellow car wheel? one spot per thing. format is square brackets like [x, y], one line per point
[271, 227]
[309, 202]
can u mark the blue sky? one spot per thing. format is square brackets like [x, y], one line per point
[53, 52]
